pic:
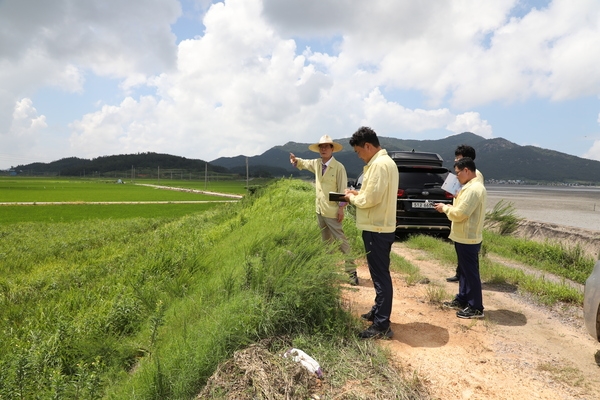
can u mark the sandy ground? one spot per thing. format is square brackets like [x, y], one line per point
[519, 351]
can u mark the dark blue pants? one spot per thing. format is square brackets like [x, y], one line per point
[378, 247]
[469, 284]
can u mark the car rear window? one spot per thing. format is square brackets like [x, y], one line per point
[420, 179]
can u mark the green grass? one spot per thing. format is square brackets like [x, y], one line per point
[87, 190]
[569, 262]
[146, 308]
[80, 212]
[544, 291]
[73, 190]
[504, 217]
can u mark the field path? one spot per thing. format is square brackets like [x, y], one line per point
[519, 351]
[233, 196]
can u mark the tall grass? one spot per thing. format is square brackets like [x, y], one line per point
[503, 217]
[146, 308]
[570, 262]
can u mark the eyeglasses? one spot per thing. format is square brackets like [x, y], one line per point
[458, 172]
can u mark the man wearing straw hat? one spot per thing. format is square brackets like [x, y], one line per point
[330, 176]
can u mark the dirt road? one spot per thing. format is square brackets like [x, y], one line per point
[519, 351]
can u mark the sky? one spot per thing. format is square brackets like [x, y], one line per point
[206, 79]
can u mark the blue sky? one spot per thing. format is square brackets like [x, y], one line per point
[203, 79]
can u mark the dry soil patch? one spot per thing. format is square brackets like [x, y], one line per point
[519, 351]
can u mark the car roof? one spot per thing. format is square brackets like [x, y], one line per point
[416, 158]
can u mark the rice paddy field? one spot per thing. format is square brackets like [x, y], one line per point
[27, 199]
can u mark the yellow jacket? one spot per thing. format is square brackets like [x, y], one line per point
[334, 180]
[468, 213]
[376, 201]
[479, 176]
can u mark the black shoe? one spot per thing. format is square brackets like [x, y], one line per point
[452, 279]
[374, 332]
[370, 316]
[469, 313]
[353, 278]
[457, 305]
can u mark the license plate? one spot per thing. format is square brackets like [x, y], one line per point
[422, 205]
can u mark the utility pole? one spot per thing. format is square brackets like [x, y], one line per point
[159, 174]
[247, 185]
[205, 174]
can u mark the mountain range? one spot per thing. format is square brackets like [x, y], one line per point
[498, 159]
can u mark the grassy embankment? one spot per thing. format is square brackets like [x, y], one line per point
[146, 308]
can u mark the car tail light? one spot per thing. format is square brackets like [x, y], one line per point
[400, 193]
[448, 195]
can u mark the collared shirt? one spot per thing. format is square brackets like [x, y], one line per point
[335, 179]
[468, 213]
[378, 196]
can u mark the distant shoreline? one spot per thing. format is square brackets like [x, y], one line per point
[577, 207]
[565, 214]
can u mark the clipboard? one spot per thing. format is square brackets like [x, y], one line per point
[452, 185]
[334, 196]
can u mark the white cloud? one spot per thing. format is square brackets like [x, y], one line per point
[594, 152]
[471, 122]
[28, 138]
[242, 85]
[55, 43]
[26, 122]
[394, 118]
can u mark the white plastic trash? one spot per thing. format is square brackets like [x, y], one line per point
[305, 360]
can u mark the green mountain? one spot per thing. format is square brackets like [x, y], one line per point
[142, 162]
[498, 159]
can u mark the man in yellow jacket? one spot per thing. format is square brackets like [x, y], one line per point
[464, 151]
[467, 215]
[330, 176]
[376, 216]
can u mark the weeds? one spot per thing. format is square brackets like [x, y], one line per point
[562, 373]
[569, 262]
[504, 217]
[436, 294]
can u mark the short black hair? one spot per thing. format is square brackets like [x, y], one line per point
[465, 162]
[363, 135]
[465, 151]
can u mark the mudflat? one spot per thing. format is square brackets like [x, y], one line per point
[576, 207]
[566, 215]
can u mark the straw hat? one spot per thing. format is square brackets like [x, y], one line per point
[325, 139]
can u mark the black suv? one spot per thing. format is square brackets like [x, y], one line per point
[420, 185]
